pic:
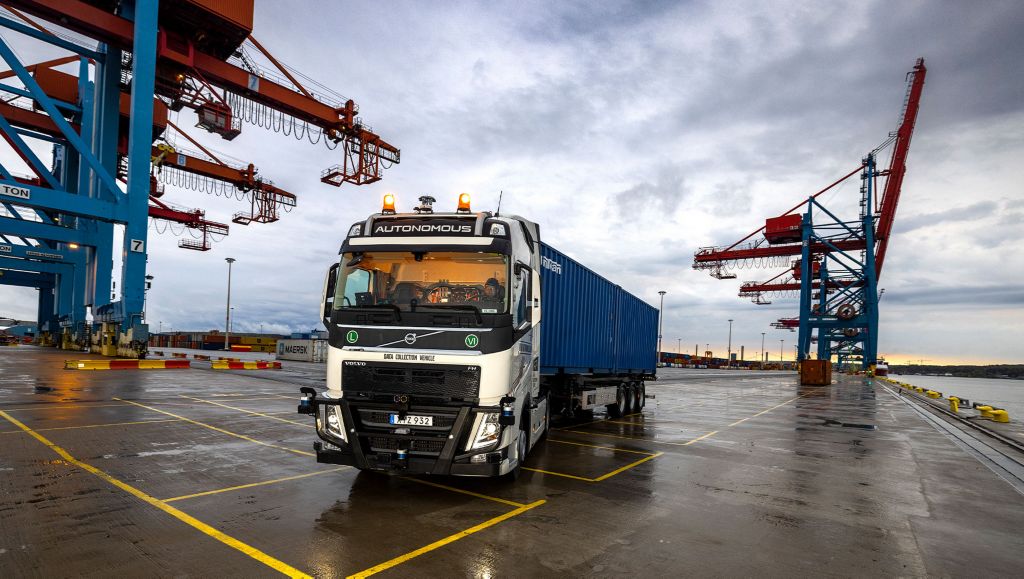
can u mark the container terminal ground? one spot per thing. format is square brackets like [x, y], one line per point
[725, 473]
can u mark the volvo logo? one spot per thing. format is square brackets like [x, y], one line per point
[401, 398]
[410, 338]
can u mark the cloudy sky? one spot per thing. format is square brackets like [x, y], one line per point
[634, 133]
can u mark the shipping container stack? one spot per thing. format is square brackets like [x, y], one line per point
[214, 340]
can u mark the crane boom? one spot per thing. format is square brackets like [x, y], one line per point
[898, 165]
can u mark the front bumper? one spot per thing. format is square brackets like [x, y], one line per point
[378, 447]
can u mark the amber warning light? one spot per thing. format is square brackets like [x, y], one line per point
[464, 203]
[389, 204]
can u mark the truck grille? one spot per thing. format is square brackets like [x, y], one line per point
[385, 444]
[377, 434]
[439, 380]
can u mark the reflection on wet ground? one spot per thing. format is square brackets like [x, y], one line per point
[205, 473]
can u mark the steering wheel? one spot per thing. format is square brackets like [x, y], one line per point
[434, 294]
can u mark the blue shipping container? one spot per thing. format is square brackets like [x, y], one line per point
[590, 325]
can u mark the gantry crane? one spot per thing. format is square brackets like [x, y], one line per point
[135, 61]
[839, 261]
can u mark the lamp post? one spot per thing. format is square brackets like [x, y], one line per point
[227, 311]
[728, 358]
[661, 319]
[781, 344]
[762, 350]
[145, 295]
[679, 345]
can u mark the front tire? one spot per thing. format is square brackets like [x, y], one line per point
[522, 447]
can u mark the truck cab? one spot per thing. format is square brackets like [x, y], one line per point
[432, 366]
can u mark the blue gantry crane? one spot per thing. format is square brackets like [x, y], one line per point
[135, 60]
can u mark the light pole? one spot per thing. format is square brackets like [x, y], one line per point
[145, 295]
[679, 345]
[161, 330]
[661, 319]
[227, 311]
[261, 328]
[781, 344]
[728, 359]
[762, 350]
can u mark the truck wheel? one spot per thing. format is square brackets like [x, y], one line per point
[639, 401]
[521, 450]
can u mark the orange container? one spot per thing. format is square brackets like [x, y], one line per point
[816, 372]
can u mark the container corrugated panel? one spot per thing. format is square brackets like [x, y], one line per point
[590, 325]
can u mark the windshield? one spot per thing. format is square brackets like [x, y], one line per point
[406, 280]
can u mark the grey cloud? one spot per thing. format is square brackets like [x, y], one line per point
[661, 196]
[972, 212]
[983, 296]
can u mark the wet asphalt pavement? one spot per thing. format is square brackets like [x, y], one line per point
[201, 473]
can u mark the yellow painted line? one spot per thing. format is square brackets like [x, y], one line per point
[595, 421]
[627, 467]
[699, 438]
[612, 448]
[214, 428]
[59, 406]
[228, 540]
[256, 484]
[445, 541]
[94, 425]
[561, 474]
[253, 412]
[651, 440]
[464, 492]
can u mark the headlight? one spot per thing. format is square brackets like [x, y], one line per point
[335, 424]
[486, 431]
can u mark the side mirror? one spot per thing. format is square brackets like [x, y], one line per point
[330, 282]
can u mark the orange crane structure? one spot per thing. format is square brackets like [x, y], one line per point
[138, 64]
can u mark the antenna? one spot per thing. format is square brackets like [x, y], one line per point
[498, 210]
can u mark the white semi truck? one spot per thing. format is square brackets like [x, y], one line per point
[438, 359]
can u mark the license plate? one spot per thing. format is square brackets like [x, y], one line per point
[412, 420]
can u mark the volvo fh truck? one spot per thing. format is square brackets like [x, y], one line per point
[454, 337]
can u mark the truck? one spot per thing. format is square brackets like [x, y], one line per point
[454, 337]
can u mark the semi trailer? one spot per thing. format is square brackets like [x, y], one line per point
[454, 337]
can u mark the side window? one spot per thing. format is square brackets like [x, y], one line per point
[522, 296]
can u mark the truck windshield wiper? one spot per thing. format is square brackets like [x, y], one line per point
[387, 307]
[466, 307]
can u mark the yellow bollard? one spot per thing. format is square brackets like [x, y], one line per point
[919, 389]
[933, 394]
[986, 411]
[954, 404]
[1000, 415]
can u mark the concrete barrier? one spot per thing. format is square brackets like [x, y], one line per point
[225, 365]
[126, 364]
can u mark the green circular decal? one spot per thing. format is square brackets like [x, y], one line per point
[472, 341]
[352, 336]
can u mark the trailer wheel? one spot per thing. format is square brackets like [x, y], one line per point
[619, 408]
[639, 399]
[627, 390]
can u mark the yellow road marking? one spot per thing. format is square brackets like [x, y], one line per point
[627, 467]
[449, 539]
[561, 474]
[257, 484]
[253, 412]
[464, 492]
[59, 406]
[221, 430]
[688, 443]
[228, 540]
[93, 425]
[601, 447]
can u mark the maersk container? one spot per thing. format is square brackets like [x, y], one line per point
[590, 325]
